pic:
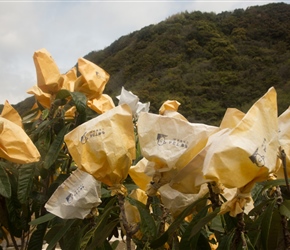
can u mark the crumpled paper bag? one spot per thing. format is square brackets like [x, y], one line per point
[104, 146]
[189, 179]
[231, 118]
[93, 79]
[284, 142]
[43, 98]
[15, 145]
[102, 104]
[75, 197]
[138, 174]
[248, 150]
[169, 144]
[170, 109]
[133, 101]
[176, 201]
[9, 113]
[47, 72]
[68, 79]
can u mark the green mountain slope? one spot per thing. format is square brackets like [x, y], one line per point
[206, 61]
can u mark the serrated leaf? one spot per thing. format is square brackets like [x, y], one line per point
[25, 181]
[266, 223]
[42, 219]
[5, 186]
[55, 148]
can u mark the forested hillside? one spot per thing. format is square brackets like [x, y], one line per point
[206, 61]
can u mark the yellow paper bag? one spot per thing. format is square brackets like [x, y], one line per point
[68, 79]
[15, 145]
[47, 72]
[171, 143]
[284, 142]
[231, 118]
[104, 146]
[247, 151]
[43, 98]
[169, 105]
[101, 105]
[169, 109]
[93, 79]
[9, 113]
[176, 201]
[138, 174]
[189, 179]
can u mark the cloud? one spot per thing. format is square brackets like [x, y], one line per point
[72, 29]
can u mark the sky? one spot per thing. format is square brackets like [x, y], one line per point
[69, 30]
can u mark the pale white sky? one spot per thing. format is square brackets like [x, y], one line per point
[71, 29]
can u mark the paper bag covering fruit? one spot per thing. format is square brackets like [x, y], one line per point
[169, 144]
[169, 109]
[284, 142]
[190, 178]
[75, 197]
[176, 201]
[133, 101]
[138, 174]
[15, 145]
[93, 79]
[47, 72]
[248, 150]
[9, 113]
[104, 146]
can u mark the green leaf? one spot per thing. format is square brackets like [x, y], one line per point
[5, 186]
[36, 239]
[101, 234]
[99, 224]
[148, 226]
[266, 223]
[160, 241]
[25, 181]
[188, 242]
[42, 219]
[62, 94]
[202, 222]
[80, 101]
[276, 235]
[226, 241]
[285, 208]
[60, 234]
[55, 148]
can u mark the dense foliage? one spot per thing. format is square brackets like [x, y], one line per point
[206, 61]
